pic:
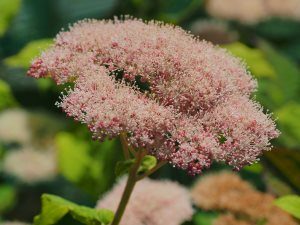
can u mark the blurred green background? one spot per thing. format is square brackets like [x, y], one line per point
[80, 169]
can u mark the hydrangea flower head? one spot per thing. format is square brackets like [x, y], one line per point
[248, 12]
[30, 165]
[15, 126]
[229, 219]
[254, 11]
[152, 203]
[182, 99]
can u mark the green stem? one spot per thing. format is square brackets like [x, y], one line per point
[131, 181]
[154, 169]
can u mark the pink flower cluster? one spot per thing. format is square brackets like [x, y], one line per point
[152, 203]
[180, 98]
[254, 11]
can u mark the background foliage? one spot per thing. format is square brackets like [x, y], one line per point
[85, 168]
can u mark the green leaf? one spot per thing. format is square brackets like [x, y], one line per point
[7, 197]
[288, 74]
[123, 167]
[148, 162]
[279, 29]
[88, 164]
[269, 94]
[290, 204]
[254, 58]
[55, 208]
[176, 11]
[28, 53]
[91, 216]
[45, 84]
[292, 49]
[289, 124]
[73, 10]
[254, 168]
[8, 9]
[6, 96]
[73, 158]
[204, 218]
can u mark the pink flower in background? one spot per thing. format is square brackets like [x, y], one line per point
[229, 219]
[248, 12]
[30, 165]
[290, 8]
[182, 99]
[254, 11]
[152, 203]
[227, 192]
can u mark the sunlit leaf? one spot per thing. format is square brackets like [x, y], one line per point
[204, 218]
[6, 97]
[148, 162]
[288, 74]
[54, 208]
[7, 197]
[28, 53]
[73, 158]
[87, 163]
[8, 9]
[269, 94]
[254, 168]
[254, 58]
[289, 123]
[290, 203]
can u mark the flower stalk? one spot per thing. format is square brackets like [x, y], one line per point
[133, 175]
[131, 181]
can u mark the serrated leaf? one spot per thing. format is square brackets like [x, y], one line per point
[123, 167]
[290, 204]
[54, 208]
[87, 215]
[148, 162]
[8, 9]
[7, 197]
[28, 53]
[254, 58]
